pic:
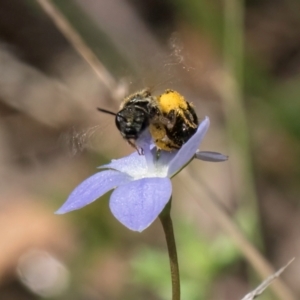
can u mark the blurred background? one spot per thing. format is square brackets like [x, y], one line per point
[237, 61]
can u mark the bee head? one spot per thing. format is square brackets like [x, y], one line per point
[132, 121]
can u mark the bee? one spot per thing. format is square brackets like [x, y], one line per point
[176, 123]
[135, 114]
[171, 120]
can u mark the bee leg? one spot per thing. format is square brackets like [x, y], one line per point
[191, 119]
[140, 151]
[169, 121]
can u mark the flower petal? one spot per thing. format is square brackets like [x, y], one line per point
[138, 203]
[210, 156]
[188, 150]
[92, 188]
[164, 158]
[133, 164]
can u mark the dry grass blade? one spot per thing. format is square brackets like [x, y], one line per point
[80, 46]
[263, 286]
[257, 261]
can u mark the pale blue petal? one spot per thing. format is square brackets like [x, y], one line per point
[137, 204]
[188, 150]
[210, 156]
[133, 164]
[164, 157]
[92, 188]
[145, 140]
[150, 156]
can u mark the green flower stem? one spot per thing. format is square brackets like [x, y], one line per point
[166, 221]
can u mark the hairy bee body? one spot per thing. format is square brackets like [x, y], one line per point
[171, 119]
[177, 121]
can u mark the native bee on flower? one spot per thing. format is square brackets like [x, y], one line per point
[171, 119]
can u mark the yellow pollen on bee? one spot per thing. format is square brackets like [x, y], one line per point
[159, 135]
[171, 100]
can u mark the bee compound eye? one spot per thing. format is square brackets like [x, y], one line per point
[120, 121]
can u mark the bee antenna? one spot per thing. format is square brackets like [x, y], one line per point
[106, 111]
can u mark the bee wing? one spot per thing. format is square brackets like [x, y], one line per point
[75, 140]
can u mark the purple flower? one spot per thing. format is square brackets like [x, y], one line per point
[141, 183]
